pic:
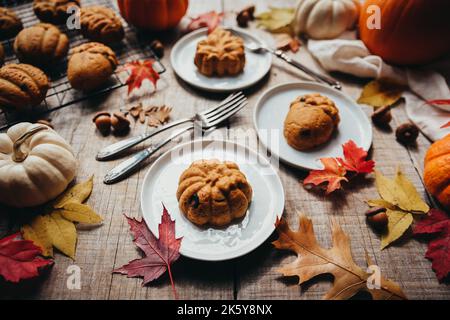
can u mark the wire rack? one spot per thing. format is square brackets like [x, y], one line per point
[135, 46]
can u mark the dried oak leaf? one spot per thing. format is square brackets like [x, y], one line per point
[160, 253]
[332, 174]
[57, 227]
[286, 42]
[313, 260]
[211, 20]
[401, 200]
[140, 71]
[158, 115]
[381, 93]
[20, 259]
[355, 159]
[437, 225]
[277, 20]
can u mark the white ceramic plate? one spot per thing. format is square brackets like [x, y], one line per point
[210, 244]
[182, 60]
[272, 109]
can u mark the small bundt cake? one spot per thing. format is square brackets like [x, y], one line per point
[220, 54]
[41, 45]
[311, 121]
[22, 86]
[211, 192]
[10, 24]
[54, 11]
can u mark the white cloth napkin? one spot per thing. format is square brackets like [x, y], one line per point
[352, 57]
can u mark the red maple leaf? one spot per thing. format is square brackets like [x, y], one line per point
[210, 20]
[437, 225]
[140, 71]
[447, 125]
[159, 253]
[332, 174]
[19, 259]
[355, 159]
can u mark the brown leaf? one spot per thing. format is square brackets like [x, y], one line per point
[313, 260]
[158, 115]
[286, 42]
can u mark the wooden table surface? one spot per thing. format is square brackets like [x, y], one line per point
[253, 276]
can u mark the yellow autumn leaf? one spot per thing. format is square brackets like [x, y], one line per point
[400, 192]
[399, 222]
[62, 234]
[37, 232]
[77, 212]
[381, 203]
[381, 93]
[277, 20]
[78, 194]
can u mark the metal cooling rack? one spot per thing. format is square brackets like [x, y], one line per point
[135, 46]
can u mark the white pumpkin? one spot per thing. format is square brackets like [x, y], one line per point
[325, 19]
[36, 165]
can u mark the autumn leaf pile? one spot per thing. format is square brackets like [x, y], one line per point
[337, 170]
[56, 228]
[313, 260]
[401, 200]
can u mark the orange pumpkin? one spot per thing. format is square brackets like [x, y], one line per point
[412, 32]
[437, 171]
[154, 15]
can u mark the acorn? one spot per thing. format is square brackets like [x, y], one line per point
[407, 133]
[158, 48]
[382, 116]
[377, 218]
[102, 121]
[120, 123]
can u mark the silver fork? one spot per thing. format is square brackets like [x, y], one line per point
[258, 48]
[209, 118]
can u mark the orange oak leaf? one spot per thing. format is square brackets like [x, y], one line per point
[211, 20]
[355, 159]
[140, 71]
[160, 253]
[314, 260]
[333, 173]
[20, 259]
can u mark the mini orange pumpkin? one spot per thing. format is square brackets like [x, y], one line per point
[154, 15]
[413, 32]
[437, 171]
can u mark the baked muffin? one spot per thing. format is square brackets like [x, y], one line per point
[101, 24]
[22, 86]
[311, 121]
[2, 55]
[10, 24]
[41, 44]
[220, 54]
[90, 66]
[53, 11]
[211, 192]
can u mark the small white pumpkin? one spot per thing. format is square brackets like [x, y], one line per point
[325, 19]
[36, 165]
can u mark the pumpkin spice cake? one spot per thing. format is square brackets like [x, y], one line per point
[221, 54]
[311, 121]
[10, 24]
[211, 192]
[22, 86]
[41, 44]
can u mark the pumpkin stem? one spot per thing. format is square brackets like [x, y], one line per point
[19, 155]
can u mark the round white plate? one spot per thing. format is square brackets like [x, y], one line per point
[273, 107]
[182, 60]
[211, 244]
